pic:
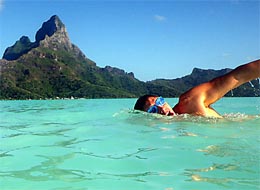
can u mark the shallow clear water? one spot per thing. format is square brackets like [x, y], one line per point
[104, 144]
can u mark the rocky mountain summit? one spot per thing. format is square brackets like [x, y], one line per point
[51, 35]
[52, 26]
[53, 67]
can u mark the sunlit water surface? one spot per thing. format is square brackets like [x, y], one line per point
[104, 144]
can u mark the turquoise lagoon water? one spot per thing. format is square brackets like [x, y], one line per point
[103, 144]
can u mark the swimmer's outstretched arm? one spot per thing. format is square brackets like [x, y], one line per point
[198, 99]
[218, 87]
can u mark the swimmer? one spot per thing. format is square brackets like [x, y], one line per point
[198, 100]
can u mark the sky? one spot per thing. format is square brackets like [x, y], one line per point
[151, 38]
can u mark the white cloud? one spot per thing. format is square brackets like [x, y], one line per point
[159, 18]
[1, 5]
[226, 54]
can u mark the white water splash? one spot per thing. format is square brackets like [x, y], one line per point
[251, 84]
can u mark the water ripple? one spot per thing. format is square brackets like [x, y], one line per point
[128, 155]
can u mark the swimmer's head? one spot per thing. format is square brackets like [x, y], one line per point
[153, 104]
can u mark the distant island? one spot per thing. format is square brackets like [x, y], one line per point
[52, 67]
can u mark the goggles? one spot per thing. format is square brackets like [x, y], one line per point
[158, 102]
